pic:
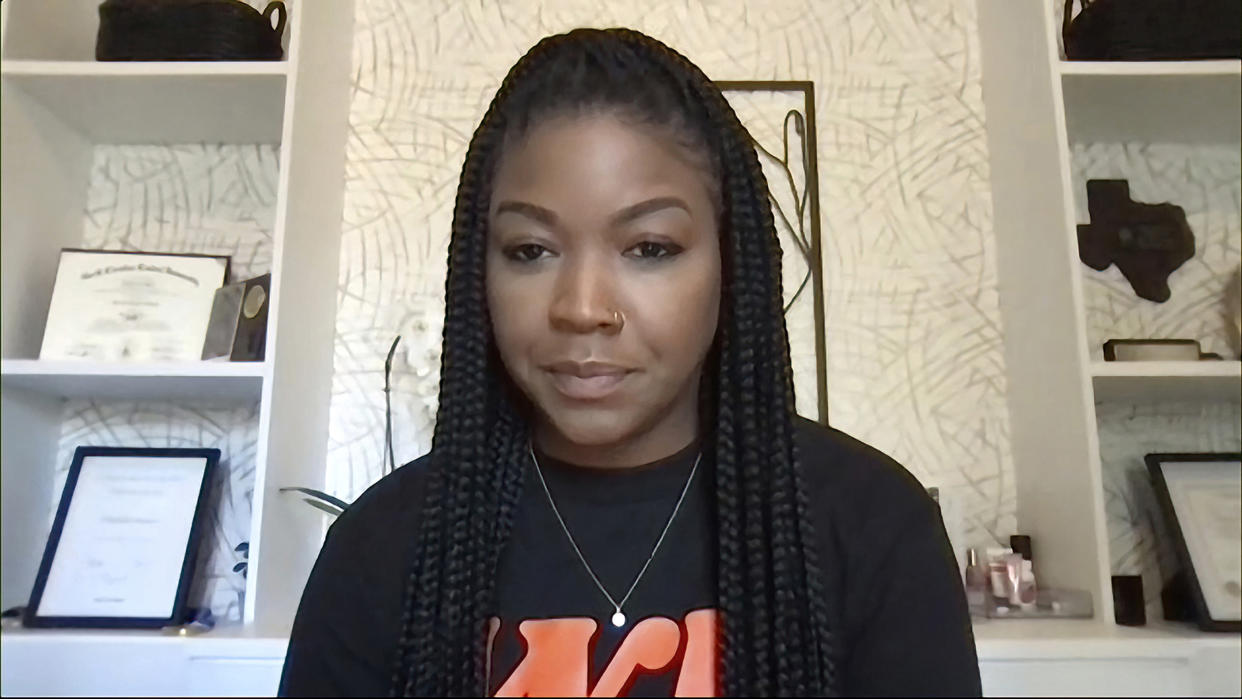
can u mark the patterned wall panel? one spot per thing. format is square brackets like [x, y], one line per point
[216, 199]
[1204, 181]
[914, 350]
[1139, 542]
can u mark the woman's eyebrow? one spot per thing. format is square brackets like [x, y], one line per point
[630, 213]
[536, 213]
[650, 206]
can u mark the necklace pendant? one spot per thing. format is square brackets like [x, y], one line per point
[618, 619]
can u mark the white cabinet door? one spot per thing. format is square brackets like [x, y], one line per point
[233, 677]
[52, 666]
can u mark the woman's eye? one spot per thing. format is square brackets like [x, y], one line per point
[527, 252]
[653, 251]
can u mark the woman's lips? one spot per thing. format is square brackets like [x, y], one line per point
[593, 387]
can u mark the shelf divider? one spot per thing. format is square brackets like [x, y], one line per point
[216, 381]
[159, 102]
[1212, 381]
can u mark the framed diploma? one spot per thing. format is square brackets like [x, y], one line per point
[131, 306]
[1201, 495]
[124, 542]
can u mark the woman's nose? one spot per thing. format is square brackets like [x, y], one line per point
[583, 300]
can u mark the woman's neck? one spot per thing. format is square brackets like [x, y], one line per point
[663, 439]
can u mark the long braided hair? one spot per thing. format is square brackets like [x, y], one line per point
[775, 629]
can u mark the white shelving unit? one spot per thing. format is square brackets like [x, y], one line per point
[58, 105]
[221, 382]
[1038, 105]
[142, 103]
[1132, 382]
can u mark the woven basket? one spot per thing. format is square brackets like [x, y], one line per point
[189, 30]
[1152, 30]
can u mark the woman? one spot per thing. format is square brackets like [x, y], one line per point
[620, 499]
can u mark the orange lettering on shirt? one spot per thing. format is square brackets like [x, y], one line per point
[558, 652]
[556, 659]
[652, 644]
[698, 666]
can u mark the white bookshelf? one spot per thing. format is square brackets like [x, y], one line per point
[1131, 382]
[215, 381]
[58, 105]
[1224, 68]
[150, 103]
[1038, 106]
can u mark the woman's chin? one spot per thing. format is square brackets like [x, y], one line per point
[591, 428]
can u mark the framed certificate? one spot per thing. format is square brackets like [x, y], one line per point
[124, 542]
[131, 306]
[1201, 495]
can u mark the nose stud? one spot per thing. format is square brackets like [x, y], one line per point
[618, 320]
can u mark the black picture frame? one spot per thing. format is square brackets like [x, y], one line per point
[1156, 466]
[810, 246]
[33, 618]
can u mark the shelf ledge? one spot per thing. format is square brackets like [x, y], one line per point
[1162, 381]
[1139, 68]
[228, 381]
[142, 68]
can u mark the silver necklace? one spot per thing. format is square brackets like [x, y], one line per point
[618, 618]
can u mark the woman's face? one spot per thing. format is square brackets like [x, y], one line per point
[603, 282]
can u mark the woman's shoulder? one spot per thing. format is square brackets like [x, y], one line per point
[855, 477]
[391, 504]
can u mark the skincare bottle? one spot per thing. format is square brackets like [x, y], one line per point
[1013, 579]
[1027, 592]
[998, 577]
[977, 584]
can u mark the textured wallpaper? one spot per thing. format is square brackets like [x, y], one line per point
[1204, 181]
[1139, 540]
[914, 347]
[214, 199]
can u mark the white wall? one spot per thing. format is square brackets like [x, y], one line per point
[914, 345]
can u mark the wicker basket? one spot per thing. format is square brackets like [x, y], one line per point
[1152, 30]
[189, 30]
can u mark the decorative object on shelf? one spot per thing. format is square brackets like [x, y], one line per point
[1201, 495]
[125, 538]
[11, 618]
[330, 503]
[975, 578]
[189, 30]
[1155, 351]
[1129, 609]
[1152, 30]
[117, 306]
[1050, 603]
[237, 330]
[243, 566]
[1147, 242]
[1175, 599]
[1233, 310]
[199, 620]
[779, 115]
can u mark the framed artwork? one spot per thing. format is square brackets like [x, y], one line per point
[780, 116]
[1201, 496]
[124, 542]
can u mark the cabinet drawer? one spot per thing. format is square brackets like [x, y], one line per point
[1087, 678]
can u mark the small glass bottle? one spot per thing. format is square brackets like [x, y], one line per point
[977, 586]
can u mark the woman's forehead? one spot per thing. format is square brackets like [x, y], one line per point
[597, 159]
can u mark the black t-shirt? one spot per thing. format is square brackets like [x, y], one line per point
[898, 609]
